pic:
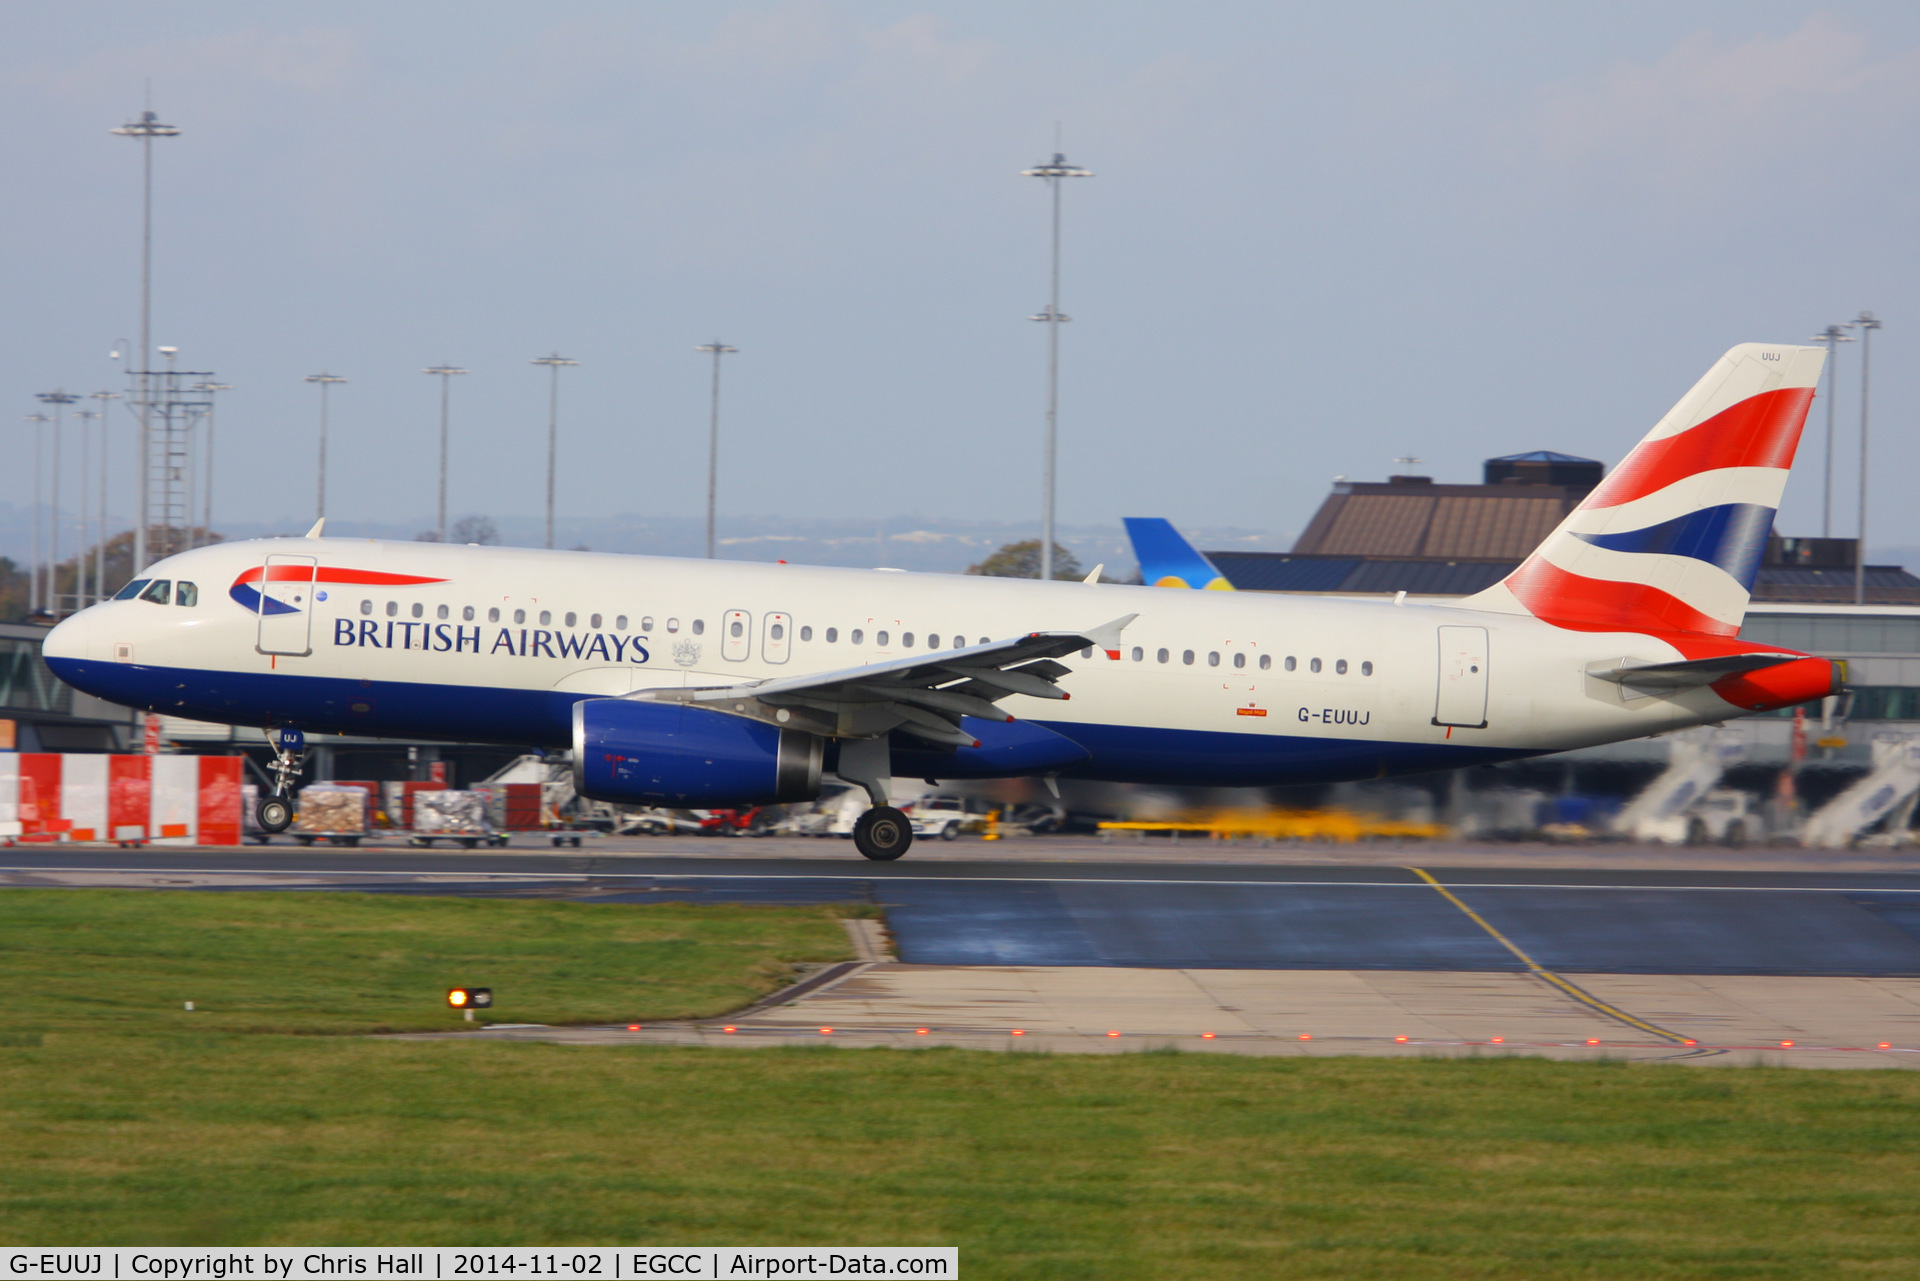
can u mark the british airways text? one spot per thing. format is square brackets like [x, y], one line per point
[521, 642]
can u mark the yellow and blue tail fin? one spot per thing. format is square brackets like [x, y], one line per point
[1169, 560]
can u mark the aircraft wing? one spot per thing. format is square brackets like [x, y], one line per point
[924, 695]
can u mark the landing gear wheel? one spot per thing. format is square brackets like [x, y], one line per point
[273, 813]
[883, 833]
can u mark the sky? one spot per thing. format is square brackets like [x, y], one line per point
[1319, 238]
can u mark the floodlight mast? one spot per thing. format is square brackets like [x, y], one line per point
[554, 363]
[1866, 322]
[1832, 337]
[100, 544]
[147, 128]
[446, 373]
[1053, 171]
[718, 349]
[210, 390]
[59, 399]
[326, 381]
[39, 421]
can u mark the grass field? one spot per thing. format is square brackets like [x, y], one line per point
[123, 1119]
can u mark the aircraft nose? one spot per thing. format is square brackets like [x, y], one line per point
[68, 639]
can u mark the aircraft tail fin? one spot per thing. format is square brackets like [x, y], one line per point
[1169, 560]
[1672, 540]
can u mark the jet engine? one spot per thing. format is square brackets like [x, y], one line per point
[644, 753]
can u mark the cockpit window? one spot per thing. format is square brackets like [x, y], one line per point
[158, 591]
[186, 594]
[132, 589]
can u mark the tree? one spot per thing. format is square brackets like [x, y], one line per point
[476, 529]
[1022, 560]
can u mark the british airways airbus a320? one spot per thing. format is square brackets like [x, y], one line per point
[712, 683]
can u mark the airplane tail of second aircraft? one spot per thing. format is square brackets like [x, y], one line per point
[1672, 540]
[1167, 559]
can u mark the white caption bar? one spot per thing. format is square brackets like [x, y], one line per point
[369, 1263]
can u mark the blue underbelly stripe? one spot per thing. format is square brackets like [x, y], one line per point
[544, 718]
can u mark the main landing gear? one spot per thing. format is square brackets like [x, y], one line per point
[883, 832]
[275, 813]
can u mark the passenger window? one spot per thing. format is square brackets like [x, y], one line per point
[833, 635]
[1213, 658]
[466, 614]
[1366, 669]
[806, 633]
[646, 623]
[880, 639]
[1186, 656]
[738, 629]
[186, 594]
[594, 622]
[699, 627]
[777, 632]
[959, 642]
[854, 636]
[1313, 665]
[572, 618]
[673, 625]
[366, 607]
[493, 614]
[419, 610]
[1162, 656]
[1266, 662]
[519, 615]
[441, 612]
[393, 609]
[158, 591]
[1138, 653]
[619, 622]
[933, 642]
[1340, 668]
[546, 618]
[906, 640]
[132, 590]
[1239, 660]
[1087, 652]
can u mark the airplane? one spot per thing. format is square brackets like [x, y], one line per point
[717, 684]
[1167, 559]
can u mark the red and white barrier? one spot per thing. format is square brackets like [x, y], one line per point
[161, 800]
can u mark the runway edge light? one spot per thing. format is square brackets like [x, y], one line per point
[470, 998]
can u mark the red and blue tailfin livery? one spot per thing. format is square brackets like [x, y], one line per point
[1670, 542]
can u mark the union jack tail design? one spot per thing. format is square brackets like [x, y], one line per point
[1670, 542]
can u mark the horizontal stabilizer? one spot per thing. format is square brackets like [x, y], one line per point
[1689, 673]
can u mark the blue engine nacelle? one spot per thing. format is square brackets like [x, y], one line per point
[644, 753]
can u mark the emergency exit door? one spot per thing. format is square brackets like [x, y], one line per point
[286, 605]
[1462, 699]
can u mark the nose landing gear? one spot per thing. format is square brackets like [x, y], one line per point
[275, 813]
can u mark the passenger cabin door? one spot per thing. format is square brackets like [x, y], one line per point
[777, 644]
[1463, 678]
[736, 635]
[286, 605]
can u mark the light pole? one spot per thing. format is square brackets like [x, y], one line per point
[1866, 323]
[718, 349]
[147, 128]
[100, 545]
[39, 422]
[1832, 337]
[554, 363]
[326, 381]
[211, 391]
[80, 595]
[59, 400]
[446, 373]
[1053, 171]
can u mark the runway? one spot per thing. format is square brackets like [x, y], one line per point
[1175, 915]
[1794, 965]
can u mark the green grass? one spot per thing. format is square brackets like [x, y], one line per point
[120, 1123]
